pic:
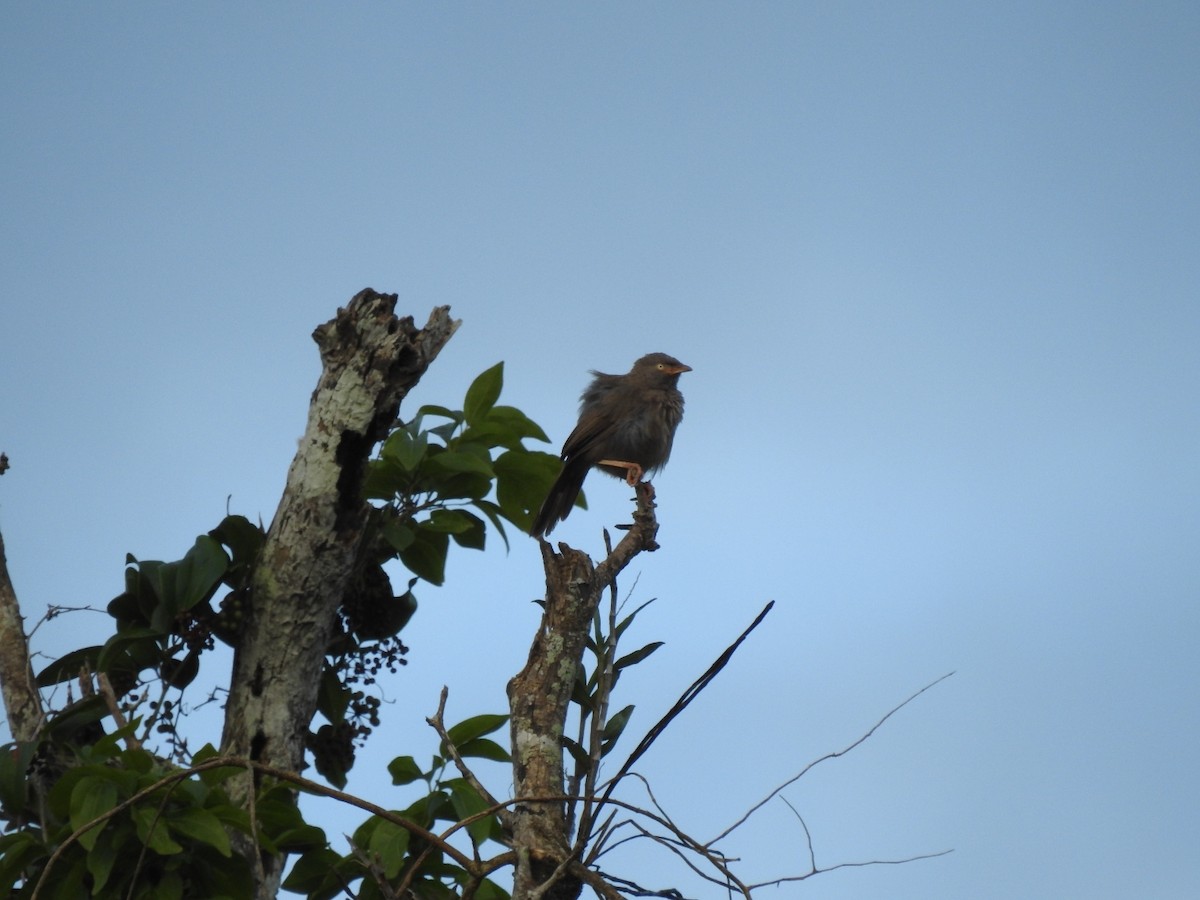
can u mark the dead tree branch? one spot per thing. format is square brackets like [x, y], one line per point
[22, 702]
[370, 359]
[539, 696]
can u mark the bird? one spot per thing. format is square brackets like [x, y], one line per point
[626, 427]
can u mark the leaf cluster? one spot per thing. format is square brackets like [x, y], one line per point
[164, 623]
[386, 856]
[151, 834]
[447, 470]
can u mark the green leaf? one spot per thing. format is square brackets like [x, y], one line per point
[426, 555]
[613, 728]
[333, 697]
[462, 486]
[69, 666]
[109, 745]
[100, 861]
[444, 431]
[66, 725]
[449, 521]
[632, 659]
[181, 585]
[405, 449]
[580, 692]
[389, 844]
[467, 802]
[179, 673]
[489, 890]
[91, 797]
[474, 727]
[505, 426]
[14, 763]
[384, 480]
[484, 748]
[404, 770]
[466, 528]
[461, 461]
[213, 777]
[429, 409]
[492, 511]
[18, 851]
[474, 536]
[244, 539]
[152, 831]
[313, 872]
[362, 834]
[125, 607]
[399, 534]
[388, 618]
[300, 839]
[483, 393]
[169, 887]
[583, 760]
[133, 648]
[523, 478]
[203, 826]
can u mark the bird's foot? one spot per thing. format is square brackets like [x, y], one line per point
[633, 471]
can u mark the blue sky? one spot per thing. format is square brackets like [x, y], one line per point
[934, 265]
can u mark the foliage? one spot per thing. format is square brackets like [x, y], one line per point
[153, 834]
[387, 855]
[430, 474]
[444, 475]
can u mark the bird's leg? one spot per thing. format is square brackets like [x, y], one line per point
[633, 471]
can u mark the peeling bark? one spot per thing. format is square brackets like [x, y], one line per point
[539, 696]
[371, 359]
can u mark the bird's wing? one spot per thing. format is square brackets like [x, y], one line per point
[595, 419]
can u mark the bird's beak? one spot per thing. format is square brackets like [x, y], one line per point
[679, 369]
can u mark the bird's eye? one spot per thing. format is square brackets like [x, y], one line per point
[660, 365]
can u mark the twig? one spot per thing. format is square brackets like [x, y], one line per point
[438, 723]
[561, 869]
[377, 875]
[114, 710]
[833, 755]
[848, 865]
[812, 856]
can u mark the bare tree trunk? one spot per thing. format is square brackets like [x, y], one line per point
[371, 360]
[22, 702]
[539, 696]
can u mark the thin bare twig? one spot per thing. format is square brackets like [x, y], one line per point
[848, 865]
[833, 755]
[438, 723]
[377, 874]
[814, 869]
[812, 855]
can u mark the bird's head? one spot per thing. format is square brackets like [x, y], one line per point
[660, 364]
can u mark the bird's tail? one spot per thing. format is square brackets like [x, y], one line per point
[561, 498]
